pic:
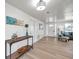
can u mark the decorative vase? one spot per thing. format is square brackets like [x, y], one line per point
[14, 36]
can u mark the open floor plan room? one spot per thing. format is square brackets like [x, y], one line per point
[39, 29]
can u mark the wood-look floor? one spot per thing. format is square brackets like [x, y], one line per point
[50, 48]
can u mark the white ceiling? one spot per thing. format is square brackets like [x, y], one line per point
[53, 8]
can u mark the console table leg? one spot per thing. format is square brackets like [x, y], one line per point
[5, 50]
[32, 42]
[10, 51]
[27, 42]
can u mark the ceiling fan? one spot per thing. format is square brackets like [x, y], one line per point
[41, 5]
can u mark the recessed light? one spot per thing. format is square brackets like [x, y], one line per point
[51, 25]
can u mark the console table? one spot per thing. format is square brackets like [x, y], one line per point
[16, 55]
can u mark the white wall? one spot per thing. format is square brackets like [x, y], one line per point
[20, 30]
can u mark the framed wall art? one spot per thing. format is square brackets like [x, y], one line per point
[13, 21]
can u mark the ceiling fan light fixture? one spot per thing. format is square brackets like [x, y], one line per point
[41, 5]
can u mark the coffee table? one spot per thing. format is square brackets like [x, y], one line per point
[63, 38]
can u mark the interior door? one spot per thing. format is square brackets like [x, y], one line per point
[50, 30]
